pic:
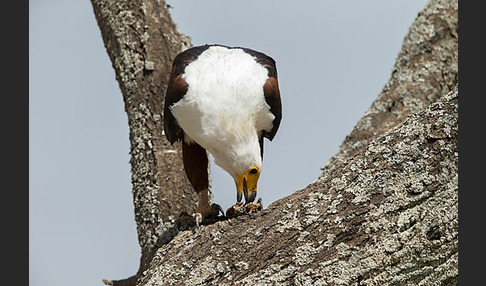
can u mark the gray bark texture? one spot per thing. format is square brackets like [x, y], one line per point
[383, 212]
[142, 40]
[426, 68]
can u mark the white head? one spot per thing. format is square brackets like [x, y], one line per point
[242, 160]
[224, 110]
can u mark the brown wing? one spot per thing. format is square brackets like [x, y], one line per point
[272, 97]
[270, 89]
[176, 89]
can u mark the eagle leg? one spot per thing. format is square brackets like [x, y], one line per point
[205, 210]
[195, 160]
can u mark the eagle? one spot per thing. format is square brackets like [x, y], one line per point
[222, 100]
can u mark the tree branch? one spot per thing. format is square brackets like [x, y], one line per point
[384, 210]
[141, 41]
[426, 68]
[389, 216]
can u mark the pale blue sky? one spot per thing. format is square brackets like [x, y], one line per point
[333, 59]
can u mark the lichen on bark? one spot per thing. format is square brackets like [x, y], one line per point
[389, 216]
[142, 40]
[426, 68]
[383, 212]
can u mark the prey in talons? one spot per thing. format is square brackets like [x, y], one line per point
[241, 208]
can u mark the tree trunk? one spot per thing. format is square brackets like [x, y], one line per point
[383, 212]
[142, 40]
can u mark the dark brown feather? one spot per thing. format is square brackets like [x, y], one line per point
[272, 97]
[176, 90]
[266, 61]
[270, 89]
[195, 161]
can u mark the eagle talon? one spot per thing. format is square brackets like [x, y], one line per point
[197, 220]
[209, 214]
[219, 208]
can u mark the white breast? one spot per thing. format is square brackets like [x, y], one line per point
[224, 109]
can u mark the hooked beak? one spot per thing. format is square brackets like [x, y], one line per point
[247, 184]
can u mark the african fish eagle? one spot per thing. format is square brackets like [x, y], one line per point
[223, 100]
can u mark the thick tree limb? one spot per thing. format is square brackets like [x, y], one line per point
[389, 216]
[426, 68]
[384, 210]
[141, 40]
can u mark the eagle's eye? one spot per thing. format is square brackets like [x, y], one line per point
[253, 170]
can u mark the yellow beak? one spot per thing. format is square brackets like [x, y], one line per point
[247, 184]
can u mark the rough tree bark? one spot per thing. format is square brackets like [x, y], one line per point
[426, 69]
[389, 216]
[383, 212]
[142, 40]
